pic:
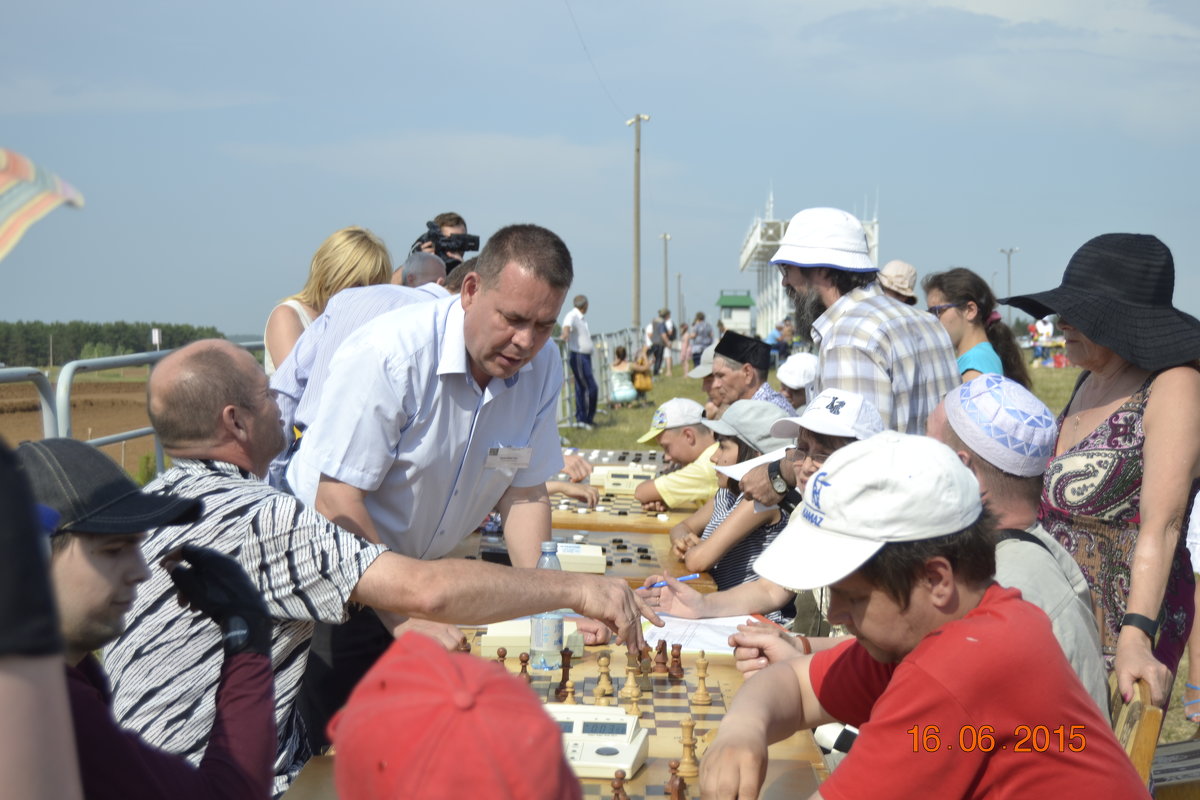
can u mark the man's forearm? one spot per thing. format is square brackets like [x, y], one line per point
[526, 515]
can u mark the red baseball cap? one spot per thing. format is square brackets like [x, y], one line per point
[425, 722]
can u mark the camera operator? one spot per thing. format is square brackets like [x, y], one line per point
[453, 241]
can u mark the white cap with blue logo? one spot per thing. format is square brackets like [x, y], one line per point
[891, 487]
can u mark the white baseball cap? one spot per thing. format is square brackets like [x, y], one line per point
[892, 487]
[799, 371]
[834, 413]
[675, 413]
[704, 368]
[751, 421]
[825, 237]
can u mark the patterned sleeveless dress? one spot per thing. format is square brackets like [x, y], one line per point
[1091, 504]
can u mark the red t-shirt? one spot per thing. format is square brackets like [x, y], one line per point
[997, 711]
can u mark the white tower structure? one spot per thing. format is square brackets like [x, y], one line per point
[761, 242]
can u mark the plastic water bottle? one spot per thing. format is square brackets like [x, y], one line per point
[546, 629]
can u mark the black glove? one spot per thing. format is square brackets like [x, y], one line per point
[218, 587]
[28, 618]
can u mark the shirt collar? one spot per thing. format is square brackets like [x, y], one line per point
[454, 360]
[841, 306]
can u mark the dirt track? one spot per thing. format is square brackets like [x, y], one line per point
[98, 409]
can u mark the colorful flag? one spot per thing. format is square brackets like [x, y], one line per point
[26, 195]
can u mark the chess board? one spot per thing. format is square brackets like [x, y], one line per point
[796, 762]
[794, 768]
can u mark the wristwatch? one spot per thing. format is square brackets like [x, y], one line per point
[1142, 623]
[777, 482]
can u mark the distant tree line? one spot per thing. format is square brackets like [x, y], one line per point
[28, 344]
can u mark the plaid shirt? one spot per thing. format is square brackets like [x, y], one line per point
[897, 357]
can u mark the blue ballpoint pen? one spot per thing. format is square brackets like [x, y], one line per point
[684, 579]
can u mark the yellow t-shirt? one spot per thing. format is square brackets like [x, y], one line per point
[692, 485]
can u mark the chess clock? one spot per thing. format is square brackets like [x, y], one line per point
[598, 740]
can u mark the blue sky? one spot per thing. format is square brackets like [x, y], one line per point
[218, 144]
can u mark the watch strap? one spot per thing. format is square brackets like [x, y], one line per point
[1142, 623]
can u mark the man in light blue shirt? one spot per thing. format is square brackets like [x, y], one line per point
[436, 413]
[433, 414]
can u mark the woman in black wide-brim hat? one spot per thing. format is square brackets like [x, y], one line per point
[1124, 474]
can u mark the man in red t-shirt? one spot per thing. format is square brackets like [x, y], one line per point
[957, 685]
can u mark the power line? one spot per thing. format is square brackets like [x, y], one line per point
[583, 44]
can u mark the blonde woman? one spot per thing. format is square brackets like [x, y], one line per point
[351, 257]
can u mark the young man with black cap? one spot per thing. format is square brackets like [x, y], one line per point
[739, 370]
[956, 684]
[96, 565]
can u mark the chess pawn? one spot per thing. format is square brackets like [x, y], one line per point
[701, 697]
[570, 698]
[689, 767]
[618, 786]
[524, 657]
[605, 683]
[501, 654]
[676, 788]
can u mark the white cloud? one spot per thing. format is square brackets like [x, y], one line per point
[39, 95]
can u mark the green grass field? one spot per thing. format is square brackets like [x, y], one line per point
[618, 429]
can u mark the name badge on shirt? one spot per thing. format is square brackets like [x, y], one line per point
[508, 457]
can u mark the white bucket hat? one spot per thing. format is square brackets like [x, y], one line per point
[900, 277]
[825, 237]
[834, 413]
[892, 487]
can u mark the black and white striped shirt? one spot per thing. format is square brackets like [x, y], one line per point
[165, 668]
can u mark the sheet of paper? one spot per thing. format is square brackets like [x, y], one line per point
[739, 470]
[710, 635]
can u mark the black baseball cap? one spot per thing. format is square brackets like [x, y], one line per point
[91, 494]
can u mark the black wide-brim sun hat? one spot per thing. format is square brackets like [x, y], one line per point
[1117, 291]
[92, 494]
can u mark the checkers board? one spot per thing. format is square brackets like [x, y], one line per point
[615, 474]
[647, 553]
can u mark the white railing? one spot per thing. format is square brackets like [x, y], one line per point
[56, 402]
[45, 394]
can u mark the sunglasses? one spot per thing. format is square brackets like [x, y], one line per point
[937, 310]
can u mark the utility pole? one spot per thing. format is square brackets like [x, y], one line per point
[636, 122]
[679, 292]
[1008, 254]
[666, 237]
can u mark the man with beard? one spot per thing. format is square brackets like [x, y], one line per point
[890, 353]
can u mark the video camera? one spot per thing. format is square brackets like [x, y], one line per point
[442, 245]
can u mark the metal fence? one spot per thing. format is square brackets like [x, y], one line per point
[603, 345]
[56, 402]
